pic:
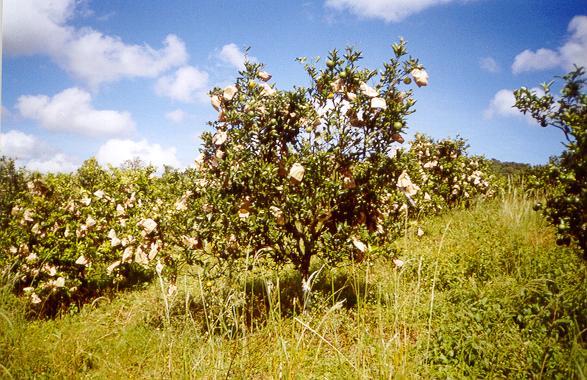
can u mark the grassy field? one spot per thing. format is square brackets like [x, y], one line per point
[485, 293]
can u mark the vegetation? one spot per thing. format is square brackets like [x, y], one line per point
[71, 237]
[485, 293]
[12, 183]
[567, 175]
[303, 172]
[507, 168]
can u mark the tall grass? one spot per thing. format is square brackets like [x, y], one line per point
[484, 293]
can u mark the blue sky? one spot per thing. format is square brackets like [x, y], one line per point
[119, 79]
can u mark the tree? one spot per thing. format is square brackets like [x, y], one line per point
[288, 174]
[566, 202]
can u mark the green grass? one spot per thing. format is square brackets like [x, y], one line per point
[485, 293]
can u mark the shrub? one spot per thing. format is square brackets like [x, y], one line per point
[567, 175]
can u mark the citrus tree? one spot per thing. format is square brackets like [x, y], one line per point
[446, 174]
[289, 174]
[73, 237]
[566, 182]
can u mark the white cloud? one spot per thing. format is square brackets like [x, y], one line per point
[71, 111]
[541, 59]
[58, 163]
[96, 58]
[19, 145]
[574, 51]
[176, 116]
[33, 153]
[489, 64]
[186, 85]
[231, 54]
[502, 105]
[41, 27]
[117, 151]
[388, 10]
[36, 26]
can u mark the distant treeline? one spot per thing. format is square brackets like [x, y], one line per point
[515, 169]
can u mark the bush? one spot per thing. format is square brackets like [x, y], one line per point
[567, 175]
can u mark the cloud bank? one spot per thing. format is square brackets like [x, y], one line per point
[234, 56]
[186, 85]
[31, 152]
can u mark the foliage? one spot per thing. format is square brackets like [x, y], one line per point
[508, 168]
[73, 236]
[567, 179]
[70, 238]
[446, 175]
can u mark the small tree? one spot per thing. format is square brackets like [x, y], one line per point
[289, 174]
[566, 205]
